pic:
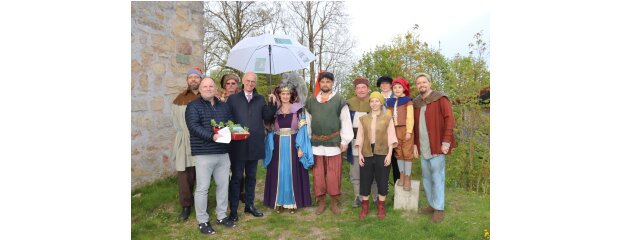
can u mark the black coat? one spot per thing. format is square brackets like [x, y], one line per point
[250, 115]
[198, 117]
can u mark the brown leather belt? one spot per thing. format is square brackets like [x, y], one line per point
[325, 137]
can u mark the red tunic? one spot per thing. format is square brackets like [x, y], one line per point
[439, 123]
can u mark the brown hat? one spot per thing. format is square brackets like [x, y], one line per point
[360, 81]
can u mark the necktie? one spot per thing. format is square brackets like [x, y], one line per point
[249, 97]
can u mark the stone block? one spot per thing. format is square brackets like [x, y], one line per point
[182, 59]
[407, 200]
[158, 68]
[184, 47]
[157, 104]
[138, 105]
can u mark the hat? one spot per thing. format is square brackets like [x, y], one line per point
[227, 77]
[327, 75]
[360, 81]
[377, 95]
[384, 79]
[196, 71]
[317, 86]
[403, 83]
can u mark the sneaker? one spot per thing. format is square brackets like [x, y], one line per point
[206, 228]
[227, 222]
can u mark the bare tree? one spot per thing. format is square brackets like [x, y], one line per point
[322, 27]
[228, 23]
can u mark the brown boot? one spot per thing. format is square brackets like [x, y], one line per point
[407, 184]
[333, 205]
[402, 179]
[437, 216]
[427, 210]
[321, 208]
[381, 210]
[364, 210]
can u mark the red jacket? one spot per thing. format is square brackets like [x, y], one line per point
[439, 123]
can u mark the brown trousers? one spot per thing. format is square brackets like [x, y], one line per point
[187, 181]
[404, 150]
[327, 171]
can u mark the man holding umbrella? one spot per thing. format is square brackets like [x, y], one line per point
[249, 109]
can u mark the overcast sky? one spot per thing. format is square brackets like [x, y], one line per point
[454, 23]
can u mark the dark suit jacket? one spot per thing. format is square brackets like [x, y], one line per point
[250, 115]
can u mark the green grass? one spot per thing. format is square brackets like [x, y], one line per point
[154, 211]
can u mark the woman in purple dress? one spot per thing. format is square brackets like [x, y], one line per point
[288, 156]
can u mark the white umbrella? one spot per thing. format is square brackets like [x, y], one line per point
[270, 54]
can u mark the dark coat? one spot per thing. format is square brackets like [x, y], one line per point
[250, 115]
[198, 117]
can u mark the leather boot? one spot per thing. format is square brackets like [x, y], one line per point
[381, 210]
[364, 210]
[184, 214]
[333, 205]
[438, 216]
[321, 208]
[402, 179]
[407, 184]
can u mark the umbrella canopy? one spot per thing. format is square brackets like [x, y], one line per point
[269, 54]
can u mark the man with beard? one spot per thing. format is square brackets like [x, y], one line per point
[181, 151]
[330, 130]
[434, 139]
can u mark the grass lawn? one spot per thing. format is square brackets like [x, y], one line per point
[154, 211]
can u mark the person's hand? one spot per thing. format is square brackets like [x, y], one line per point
[272, 98]
[361, 161]
[408, 136]
[216, 136]
[416, 154]
[299, 153]
[387, 161]
[343, 147]
[445, 149]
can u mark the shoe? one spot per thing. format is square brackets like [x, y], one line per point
[333, 205]
[427, 210]
[229, 223]
[321, 208]
[278, 209]
[381, 210]
[206, 228]
[253, 211]
[407, 183]
[438, 216]
[292, 210]
[357, 202]
[233, 216]
[364, 210]
[185, 213]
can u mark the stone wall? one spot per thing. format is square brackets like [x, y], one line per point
[166, 41]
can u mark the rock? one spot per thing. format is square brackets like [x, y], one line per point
[407, 200]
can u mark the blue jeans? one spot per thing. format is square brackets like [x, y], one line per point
[434, 180]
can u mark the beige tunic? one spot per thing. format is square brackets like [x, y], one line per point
[181, 150]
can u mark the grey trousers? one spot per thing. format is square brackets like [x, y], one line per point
[218, 166]
[354, 176]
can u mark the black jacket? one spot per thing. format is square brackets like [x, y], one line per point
[250, 115]
[198, 117]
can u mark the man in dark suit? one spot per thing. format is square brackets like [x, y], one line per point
[249, 109]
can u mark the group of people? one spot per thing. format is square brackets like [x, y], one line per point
[296, 134]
